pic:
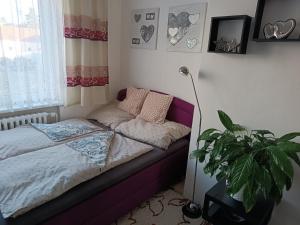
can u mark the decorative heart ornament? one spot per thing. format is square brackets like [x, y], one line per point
[137, 17]
[284, 28]
[178, 26]
[147, 32]
[173, 31]
[279, 30]
[173, 41]
[227, 46]
[191, 43]
[177, 38]
[193, 18]
[269, 31]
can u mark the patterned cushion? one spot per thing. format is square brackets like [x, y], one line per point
[156, 107]
[160, 135]
[134, 100]
[110, 115]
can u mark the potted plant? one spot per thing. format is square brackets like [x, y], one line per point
[253, 162]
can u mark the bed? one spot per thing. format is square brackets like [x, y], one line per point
[26, 138]
[114, 193]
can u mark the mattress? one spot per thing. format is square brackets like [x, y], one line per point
[90, 188]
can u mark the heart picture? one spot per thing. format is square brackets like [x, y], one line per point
[137, 17]
[181, 20]
[181, 32]
[173, 41]
[144, 28]
[191, 43]
[173, 31]
[186, 27]
[147, 32]
[193, 18]
[178, 27]
[280, 29]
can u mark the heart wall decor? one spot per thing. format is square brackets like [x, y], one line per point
[186, 27]
[178, 26]
[144, 28]
[193, 18]
[191, 43]
[137, 17]
[280, 29]
[173, 31]
[147, 32]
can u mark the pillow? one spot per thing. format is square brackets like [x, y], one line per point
[156, 107]
[160, 135]
[110, 115]
[134, 100]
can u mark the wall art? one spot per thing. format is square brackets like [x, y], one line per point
[185, 27]
[144, 28]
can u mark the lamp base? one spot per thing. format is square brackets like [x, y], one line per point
[192, 210]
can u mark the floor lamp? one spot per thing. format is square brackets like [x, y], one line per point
[192, 209]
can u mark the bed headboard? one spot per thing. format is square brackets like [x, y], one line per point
[180, 111]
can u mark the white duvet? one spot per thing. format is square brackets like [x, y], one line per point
[26, 139]
[31, 179]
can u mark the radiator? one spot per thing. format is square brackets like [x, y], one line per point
[13, 122]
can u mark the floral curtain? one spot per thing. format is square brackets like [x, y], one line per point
[86, 38]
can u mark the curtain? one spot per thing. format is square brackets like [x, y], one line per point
[32, 68]
[86, 51]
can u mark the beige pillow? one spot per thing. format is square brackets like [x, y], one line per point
[134, 100]
[156, 107]
[160, 135]
[110, 115]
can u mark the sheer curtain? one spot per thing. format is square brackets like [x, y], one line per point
[32, 67]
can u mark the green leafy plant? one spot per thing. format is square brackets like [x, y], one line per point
[252, 161]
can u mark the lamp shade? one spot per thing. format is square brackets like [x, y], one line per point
[184, 71]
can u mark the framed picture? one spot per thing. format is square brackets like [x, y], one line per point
[144, 28]
[186, 27]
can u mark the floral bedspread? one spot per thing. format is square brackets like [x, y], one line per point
[62, 131]
[95, 146]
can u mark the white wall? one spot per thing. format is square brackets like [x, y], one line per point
[260, 89]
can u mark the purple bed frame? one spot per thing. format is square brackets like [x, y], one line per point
[108, 205]
[180, 111]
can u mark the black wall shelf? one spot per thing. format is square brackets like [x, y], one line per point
[230, 28]
[270, 11]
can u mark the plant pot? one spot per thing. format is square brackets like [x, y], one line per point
[238, 196]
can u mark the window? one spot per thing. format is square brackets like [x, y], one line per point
[32, 70]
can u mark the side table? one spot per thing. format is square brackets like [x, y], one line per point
[221, 209]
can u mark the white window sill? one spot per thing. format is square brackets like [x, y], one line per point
[17, 110]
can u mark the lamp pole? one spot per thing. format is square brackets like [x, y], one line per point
[192, 209]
